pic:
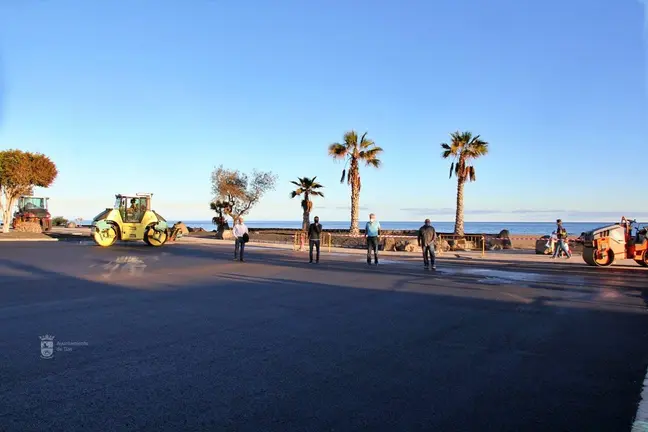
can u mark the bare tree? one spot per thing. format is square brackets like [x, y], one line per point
[235, 193]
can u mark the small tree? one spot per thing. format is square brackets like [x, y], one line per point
[464, 149]
[221, 208]
[19, 172]
[235, 193]
[59, 221]
[308, 187]
[355, 151]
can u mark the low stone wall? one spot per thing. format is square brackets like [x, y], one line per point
[397, 240]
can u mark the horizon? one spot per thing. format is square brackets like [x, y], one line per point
[159, 109]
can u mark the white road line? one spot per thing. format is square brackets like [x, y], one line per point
[641, 418]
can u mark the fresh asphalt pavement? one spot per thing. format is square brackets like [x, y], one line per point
[184, 338]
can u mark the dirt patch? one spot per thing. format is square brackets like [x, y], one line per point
[18, 235]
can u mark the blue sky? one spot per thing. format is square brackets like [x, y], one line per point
[150, 96]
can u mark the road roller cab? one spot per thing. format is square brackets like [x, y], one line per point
[602, 246]
[33, 209]
[130, 219]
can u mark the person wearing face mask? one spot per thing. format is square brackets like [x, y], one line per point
[314, 231]
[372, 233]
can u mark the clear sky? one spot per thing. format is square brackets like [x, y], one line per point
[151, 95]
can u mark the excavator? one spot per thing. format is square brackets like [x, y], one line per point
[603, 246]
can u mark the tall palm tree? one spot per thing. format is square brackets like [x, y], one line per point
[308, 187]
[354, 152]
[464, 148]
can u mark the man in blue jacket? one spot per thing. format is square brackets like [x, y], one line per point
[372, 233]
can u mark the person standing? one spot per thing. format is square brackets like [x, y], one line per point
[561, 233]
[314, 231]
[426, 238]
[372, 233]
[240, 232]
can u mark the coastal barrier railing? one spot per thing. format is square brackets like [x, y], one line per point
[477, 240]
[300, 239]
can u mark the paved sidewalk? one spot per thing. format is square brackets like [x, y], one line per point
[503, 256]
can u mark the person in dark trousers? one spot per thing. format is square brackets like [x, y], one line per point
[314, 231]
[561, 233]
[372, 234]
[239, 231]
[426, 238]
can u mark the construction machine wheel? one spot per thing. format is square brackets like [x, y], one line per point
[643, 261]
[106, 238]
[604, 260]
[155, 238]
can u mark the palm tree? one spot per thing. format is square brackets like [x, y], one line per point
[463, 149]
[308, 187]
[354, 152]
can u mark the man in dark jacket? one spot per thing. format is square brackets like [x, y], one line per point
[426, 238]
[562, 240]
[314, 231]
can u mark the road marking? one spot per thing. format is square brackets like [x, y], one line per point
[641, 419]
[133, 265]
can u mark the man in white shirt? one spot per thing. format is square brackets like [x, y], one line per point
[239, 231]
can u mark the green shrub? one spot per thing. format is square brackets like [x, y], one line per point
[59, 221]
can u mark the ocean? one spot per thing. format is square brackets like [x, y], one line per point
[542, 228]
[574, 228]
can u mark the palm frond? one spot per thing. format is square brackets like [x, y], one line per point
[316, 193]
[337, 150]
[365, 143]
[376, 163]
[370, 154]
[316, 186]
[476, 148]
[464, 147]
[296, 183]
[350, 140]
[343, 176]
[294, 193]
[473, 177]
[451, 168]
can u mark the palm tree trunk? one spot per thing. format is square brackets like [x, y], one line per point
[306, 220]
[459, 216]
[355, 202]
[307, 208]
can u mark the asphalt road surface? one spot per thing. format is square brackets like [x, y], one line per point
[184, 338]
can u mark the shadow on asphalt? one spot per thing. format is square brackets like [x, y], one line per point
[278, 354]
[581, 280]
